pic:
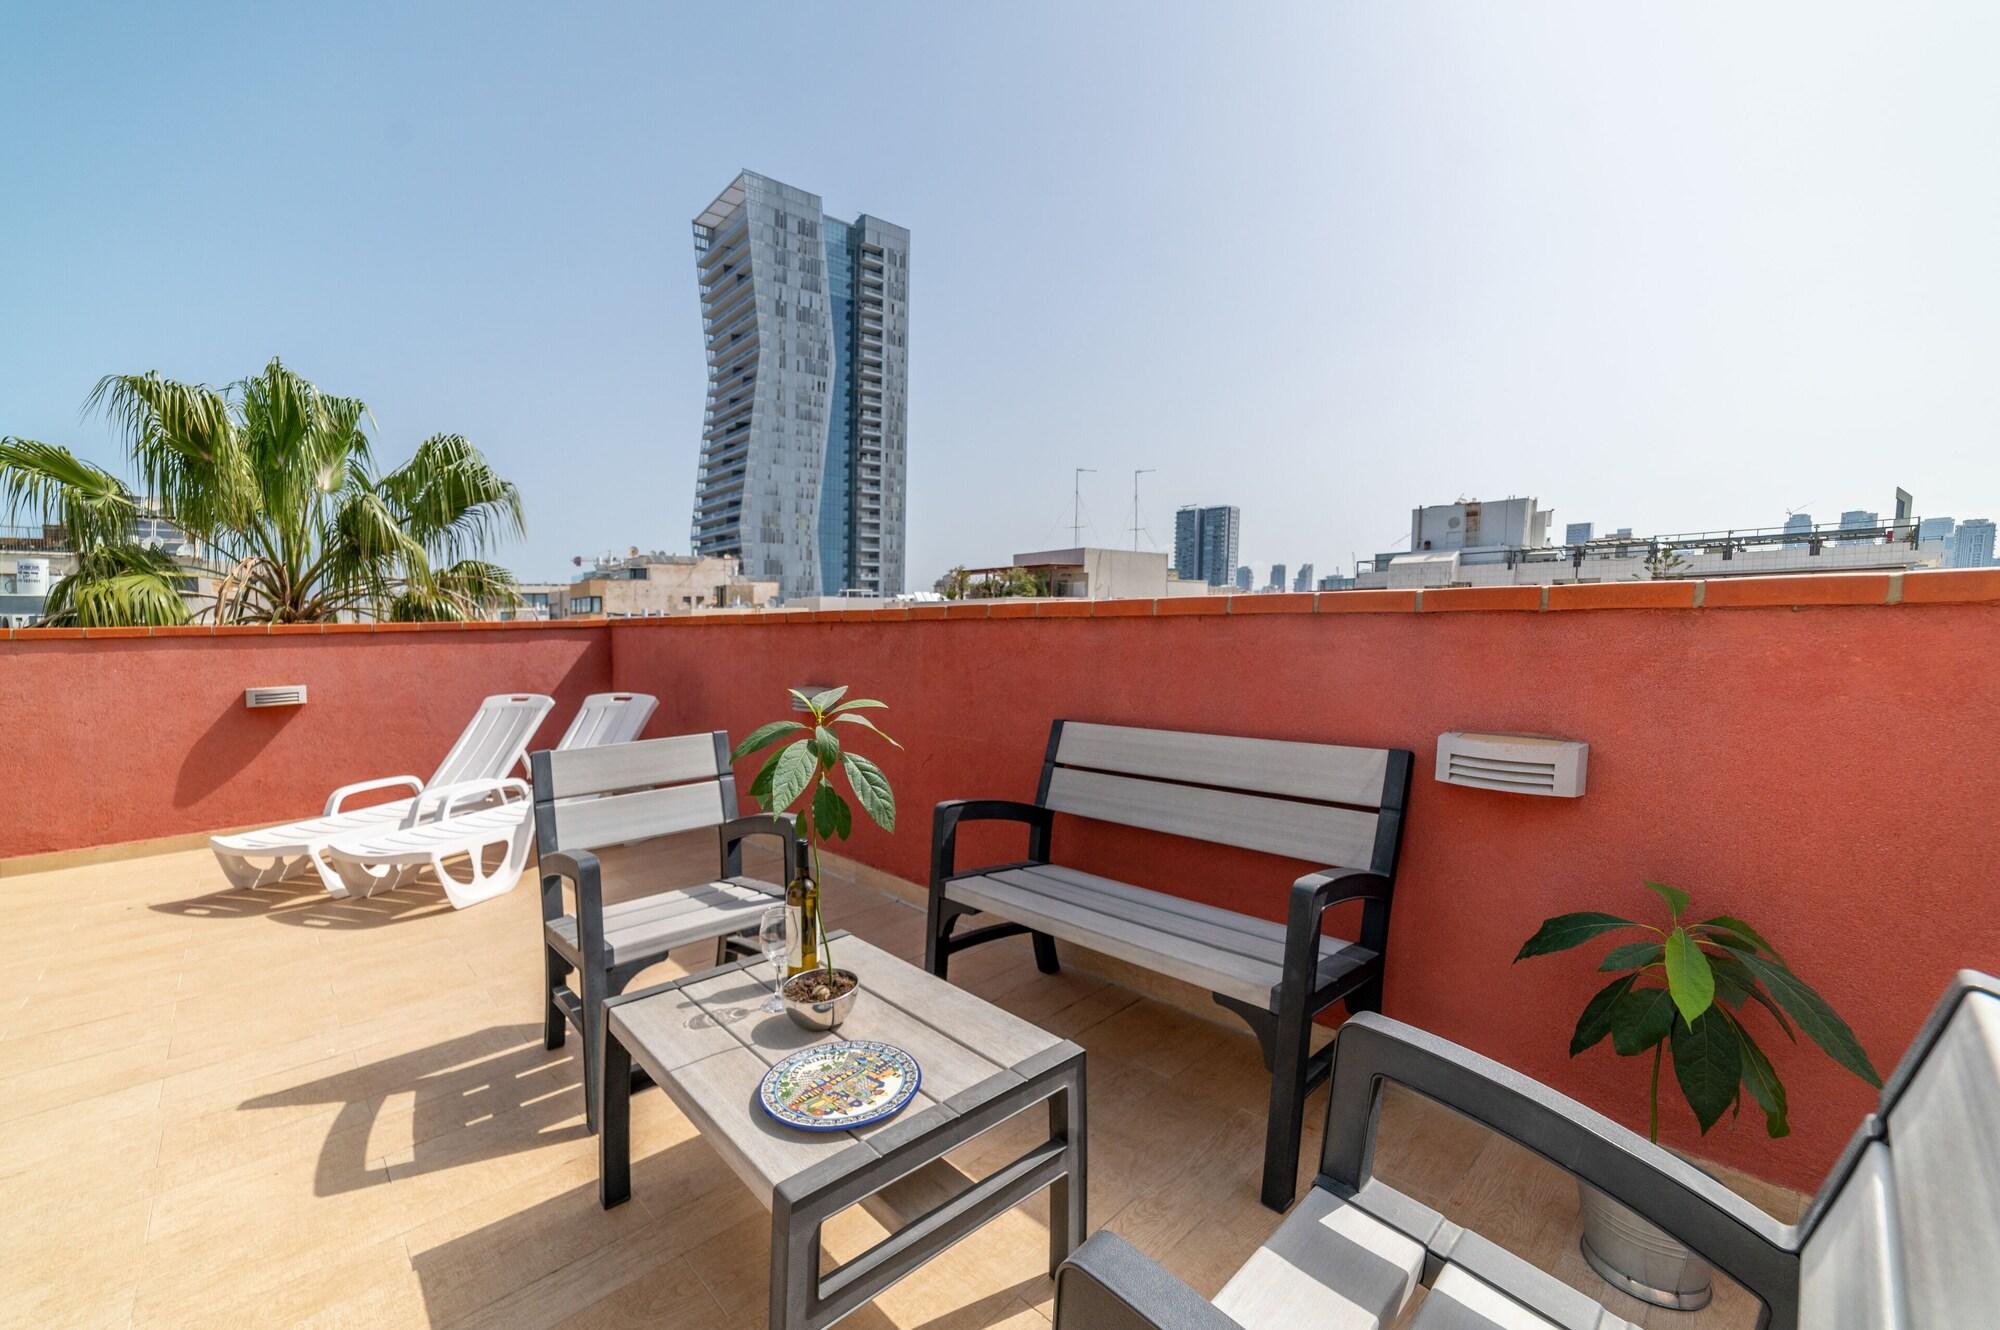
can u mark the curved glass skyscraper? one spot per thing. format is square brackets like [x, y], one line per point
[801, 470]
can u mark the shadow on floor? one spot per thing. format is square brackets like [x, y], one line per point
[303, 903]
[479, 1096]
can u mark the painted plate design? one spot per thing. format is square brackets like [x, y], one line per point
[834, 1087]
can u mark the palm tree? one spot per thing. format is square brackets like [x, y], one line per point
[276, 483]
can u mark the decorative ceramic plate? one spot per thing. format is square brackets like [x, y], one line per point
[838, 1086]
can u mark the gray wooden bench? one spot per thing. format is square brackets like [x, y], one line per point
[1321, 803]
[1902, 1235]
[619, 794]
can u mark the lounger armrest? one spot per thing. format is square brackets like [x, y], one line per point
[944, 829]
[1108, 1284]
[784, 826]
[1743, 1241]
[580, 869]
[441, 801]
[341, 795]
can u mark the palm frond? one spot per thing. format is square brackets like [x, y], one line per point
[452, 499]
[92, 505]
[118, 585]
[184, 444]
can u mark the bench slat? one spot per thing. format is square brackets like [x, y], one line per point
[650, 927]
[616, 819]
[626, 766]
[1318, 834]
[1325, 772]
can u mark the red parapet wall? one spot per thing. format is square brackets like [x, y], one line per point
[1811, 754]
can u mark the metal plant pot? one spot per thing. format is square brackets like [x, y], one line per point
[821, 1015]
[1636, 1258]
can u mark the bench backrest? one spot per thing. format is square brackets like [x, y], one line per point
[1906, 1233]
[1334, 806]
[586, 798]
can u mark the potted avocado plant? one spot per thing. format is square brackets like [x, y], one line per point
[1681, 994]
[802, 775]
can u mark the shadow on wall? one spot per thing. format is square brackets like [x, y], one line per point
[232, 741]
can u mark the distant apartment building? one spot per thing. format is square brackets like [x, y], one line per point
[646, 586]
[1336, 582]
[1972, 544]
[801, 474]
[1091, 573]
[1205, 542]
[1304, 579]
[1579, 533]
[1243, 578]
[1277, 582]
[1935, 528]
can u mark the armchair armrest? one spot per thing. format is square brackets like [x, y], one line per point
[580, 868]
[1735, 1236]
[341, 795]
[441, 801]
[784, 826]
[946, 817]
[1108, 1284]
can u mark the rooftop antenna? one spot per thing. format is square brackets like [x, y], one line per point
[1136, 528]
[1076, 524]
[1794, 512]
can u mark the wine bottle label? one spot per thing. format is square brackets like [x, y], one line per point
[795, 938]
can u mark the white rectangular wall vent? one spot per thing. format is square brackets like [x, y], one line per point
[1514, 763]
[282, 695]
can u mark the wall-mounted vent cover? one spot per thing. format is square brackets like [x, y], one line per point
[282, 695]
[1514, 763]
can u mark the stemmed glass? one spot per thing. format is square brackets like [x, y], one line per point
[771, 932]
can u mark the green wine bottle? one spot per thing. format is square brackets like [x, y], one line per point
[801, 923]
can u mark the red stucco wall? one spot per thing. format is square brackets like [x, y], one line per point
[1806, 753]
[128, 739]
[1826, 773]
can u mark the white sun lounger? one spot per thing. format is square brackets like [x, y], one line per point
[472, 820]
[491, 746]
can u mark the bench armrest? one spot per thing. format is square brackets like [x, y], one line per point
[580, 868]
[1312, 896]
[341, 795]
[946, 817]
[1744, 1242]
[1108, 1284]
[784, 826]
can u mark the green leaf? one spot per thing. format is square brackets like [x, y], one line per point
[1737, 985]
[1640, 1019]
[1688, 977]
[1595, 1022]
[1723, 923]
[1761, 1080]
[1676, 899]
[1814, 1016]
[794, 772]
[826, 746]
[760, 788]
[1570, 930]
[831, 814]
[857, 703]
[863, 720]
[821, 701]
[872, 788]
[762, 735]
[1630, 956]
[1708, 1063]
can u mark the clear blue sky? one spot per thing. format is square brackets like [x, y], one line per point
[1667, 267]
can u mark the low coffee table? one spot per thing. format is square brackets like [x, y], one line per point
[707, 1041]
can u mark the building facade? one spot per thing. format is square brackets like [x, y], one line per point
[1243, 578]
[1303, 580]
[1972, 544]
[802, 467]
[1205, 542]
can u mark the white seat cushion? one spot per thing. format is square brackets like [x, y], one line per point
[1328, 1267]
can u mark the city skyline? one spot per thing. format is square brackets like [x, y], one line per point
[1675, 269]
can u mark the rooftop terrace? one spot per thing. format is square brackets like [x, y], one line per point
[275, 1107]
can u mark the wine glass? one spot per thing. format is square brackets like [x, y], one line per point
[771, 932]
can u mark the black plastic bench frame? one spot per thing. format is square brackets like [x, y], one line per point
[1284, 1027]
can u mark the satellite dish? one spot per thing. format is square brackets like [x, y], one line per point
[576, 560]
[632, 551]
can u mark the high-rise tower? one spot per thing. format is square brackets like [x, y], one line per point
[802, 465]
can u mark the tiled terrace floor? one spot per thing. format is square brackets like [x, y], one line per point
[275, 1108]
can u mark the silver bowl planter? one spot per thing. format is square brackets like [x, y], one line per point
[821, 1015]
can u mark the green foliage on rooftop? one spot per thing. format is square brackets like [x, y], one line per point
[275, 483]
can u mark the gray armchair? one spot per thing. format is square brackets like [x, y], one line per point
[1902, 1236]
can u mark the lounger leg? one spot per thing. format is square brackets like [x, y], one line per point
[1288, 1105]
[614, 1136]
[1045, 954]
[244, 874]
[555, 1025]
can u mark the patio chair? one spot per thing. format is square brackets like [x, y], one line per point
[474, 820]
[588, 800]
[490, 747]
[1901, 1236]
